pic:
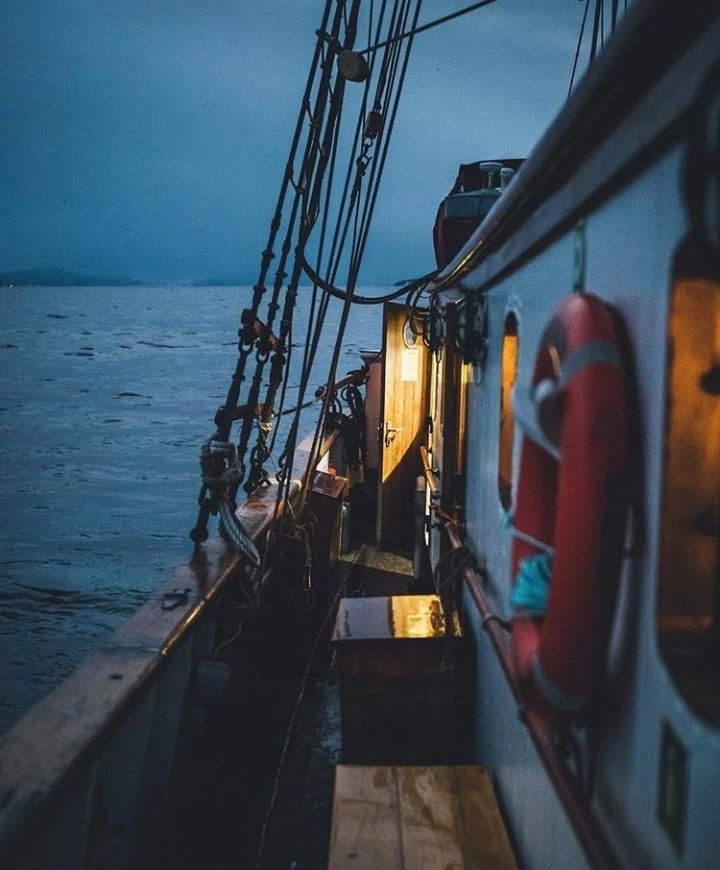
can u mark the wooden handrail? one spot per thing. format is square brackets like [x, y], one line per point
[59, 737]
[576, 804]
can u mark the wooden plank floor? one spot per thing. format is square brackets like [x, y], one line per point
[298, 822]
[416, 818]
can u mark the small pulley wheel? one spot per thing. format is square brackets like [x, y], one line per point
[352, 66]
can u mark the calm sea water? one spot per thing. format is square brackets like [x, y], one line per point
[105, 397]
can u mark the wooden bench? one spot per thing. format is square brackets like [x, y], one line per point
[416, 818]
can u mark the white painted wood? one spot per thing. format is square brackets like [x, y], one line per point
[631, 241]
[117, 789]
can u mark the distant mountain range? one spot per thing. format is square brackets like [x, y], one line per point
[221, 282]
[51, 276]
[54, 277]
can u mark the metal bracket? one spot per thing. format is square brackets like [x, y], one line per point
[579, 257]
[466, 325]
[476, 330]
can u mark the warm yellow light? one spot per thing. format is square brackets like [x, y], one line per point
[507, 421]
[691, 506]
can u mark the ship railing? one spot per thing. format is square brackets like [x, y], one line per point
[86, 770]
[429, 473]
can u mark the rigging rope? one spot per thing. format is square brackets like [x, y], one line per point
[336, 252]
[339, 293]
[310, 192]
[351, 425]
[311, 177]
[579, 44]
[214, 463]
[357, 254]
[247, 341]
[598, 34]
[471, 8]
[347, 206]
[257, 474]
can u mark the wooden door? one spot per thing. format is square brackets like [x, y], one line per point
[403, 428]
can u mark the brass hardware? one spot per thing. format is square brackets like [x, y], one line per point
[390, 433]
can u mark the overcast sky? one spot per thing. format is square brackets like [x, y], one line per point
[148, 137]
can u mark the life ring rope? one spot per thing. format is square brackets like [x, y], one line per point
[544, 547]
[528, 402]
[591, 353]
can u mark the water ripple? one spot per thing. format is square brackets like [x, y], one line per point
[160, 344]
[115, 600]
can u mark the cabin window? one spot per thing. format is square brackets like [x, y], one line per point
[688, 609]
[464, 380]
[507, 422]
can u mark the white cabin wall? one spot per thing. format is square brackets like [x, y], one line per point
[540, 831]
[532, 294]
[630, 242]
[540, 828]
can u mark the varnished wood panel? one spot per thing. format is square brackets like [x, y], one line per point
[404, 409]
[394, 617]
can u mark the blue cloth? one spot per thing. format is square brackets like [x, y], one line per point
[532, 585]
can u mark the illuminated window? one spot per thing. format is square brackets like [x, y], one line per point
[690, 525]
[507, 422]
[464, 379]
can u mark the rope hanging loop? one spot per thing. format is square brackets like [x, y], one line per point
[221, 472]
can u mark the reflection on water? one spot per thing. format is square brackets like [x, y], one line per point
[105, 397]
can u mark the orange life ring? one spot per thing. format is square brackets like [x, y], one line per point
[570, 498]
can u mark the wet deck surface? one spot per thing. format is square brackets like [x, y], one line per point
[255, 780]
[298, 830]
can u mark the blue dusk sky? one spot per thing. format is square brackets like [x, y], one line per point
[148, 137]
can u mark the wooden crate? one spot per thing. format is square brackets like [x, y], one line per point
[406, 818]
[326, 503]
[404, 685]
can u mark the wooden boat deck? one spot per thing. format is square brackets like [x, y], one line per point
[298, 829]
[255, 788]
[402, 818]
